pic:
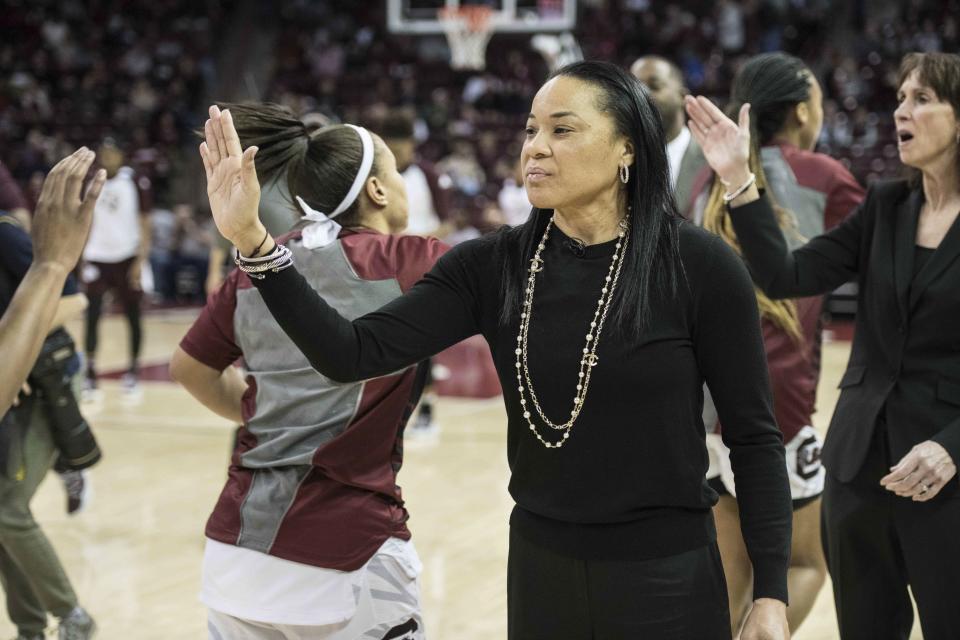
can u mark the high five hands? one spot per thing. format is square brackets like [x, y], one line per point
[232, 185]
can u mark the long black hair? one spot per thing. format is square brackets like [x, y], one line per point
[773, 84]
[652, 262]
[319, 164]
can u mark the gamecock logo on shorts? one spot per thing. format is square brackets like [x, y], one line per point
[405, 631]
[808, 458]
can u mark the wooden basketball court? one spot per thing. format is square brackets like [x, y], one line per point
[134, 555]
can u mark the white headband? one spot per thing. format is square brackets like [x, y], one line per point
[325, 230]
[365, 165]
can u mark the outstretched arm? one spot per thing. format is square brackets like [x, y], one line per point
[818, 267]
[60, 230]
[730, 353]
[437, 312]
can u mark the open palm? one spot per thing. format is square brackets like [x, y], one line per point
[725, 143]
[232, 185]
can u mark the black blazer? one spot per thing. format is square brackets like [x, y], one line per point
[905, 360]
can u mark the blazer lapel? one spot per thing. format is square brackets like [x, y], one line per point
[905, 238]
[945, 254]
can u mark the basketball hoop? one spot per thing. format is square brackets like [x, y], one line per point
[468, 29]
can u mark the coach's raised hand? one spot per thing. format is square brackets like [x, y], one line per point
[232, 185]
[725, 143]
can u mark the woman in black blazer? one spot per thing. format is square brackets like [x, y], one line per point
[891, 506]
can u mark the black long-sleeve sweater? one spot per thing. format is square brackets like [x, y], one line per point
[629, 482]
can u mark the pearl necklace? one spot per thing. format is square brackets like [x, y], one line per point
[589, 359]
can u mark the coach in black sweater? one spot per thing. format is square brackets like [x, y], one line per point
[891, 505]
[605, 314]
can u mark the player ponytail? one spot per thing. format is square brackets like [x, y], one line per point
[319, 165]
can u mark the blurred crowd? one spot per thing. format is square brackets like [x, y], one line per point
[339, 59]
[77, 71]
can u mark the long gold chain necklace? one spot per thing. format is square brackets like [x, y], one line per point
[589, 359]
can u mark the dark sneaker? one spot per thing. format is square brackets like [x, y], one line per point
[78, 490]
[423, 429]
[77, 625]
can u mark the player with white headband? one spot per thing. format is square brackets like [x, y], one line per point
[309, 536]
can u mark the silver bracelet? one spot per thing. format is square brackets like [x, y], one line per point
[277, 260]
[264, 258]
[275, 269]
[739, 191]
[270, 261]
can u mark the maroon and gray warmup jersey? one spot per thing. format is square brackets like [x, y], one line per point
[313, 477]
[819, 192]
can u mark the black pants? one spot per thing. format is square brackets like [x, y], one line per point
[877, 543]
[553, 597]
[113, 277]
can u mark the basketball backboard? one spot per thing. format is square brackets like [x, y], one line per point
[510, 16]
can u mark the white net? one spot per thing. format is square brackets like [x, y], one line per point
[468, 31]
[557, 50]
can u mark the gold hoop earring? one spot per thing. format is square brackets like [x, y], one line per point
[624, 174]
